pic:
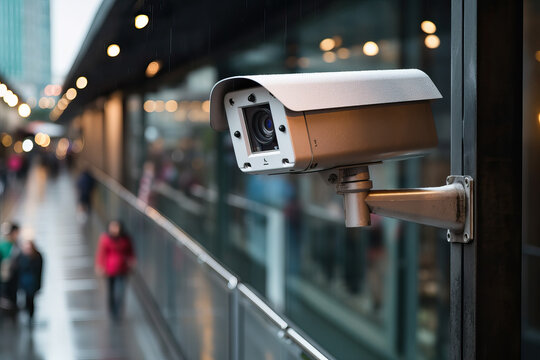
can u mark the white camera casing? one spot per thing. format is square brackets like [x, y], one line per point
[330, 120]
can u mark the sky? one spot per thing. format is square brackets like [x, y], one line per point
[70, 21]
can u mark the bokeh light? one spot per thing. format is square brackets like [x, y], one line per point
[327, 44]
[81, 82]
[141, 21]
[27, 145]
[17, 147]
[428, 27]
[153, 68]
[24, 110]
[343, 53]
[149, 106]
[206, 106]
[113, 50]
[71, 94]
[171, 106]
[432, 41]
[370, 48]
[7, 140]
[329, 57]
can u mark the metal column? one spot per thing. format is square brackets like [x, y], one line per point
[487, 40]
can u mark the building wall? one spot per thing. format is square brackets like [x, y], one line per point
[113, 127]
[92, 131]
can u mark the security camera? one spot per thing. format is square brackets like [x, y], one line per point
[338, 123]
[317, 121]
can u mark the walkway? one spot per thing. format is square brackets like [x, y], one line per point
[71, 320]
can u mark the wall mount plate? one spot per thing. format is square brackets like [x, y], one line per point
[468, 231]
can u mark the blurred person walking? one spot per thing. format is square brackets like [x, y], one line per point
[85, 185]
[115, 259]
[29, 266]
[9, 251]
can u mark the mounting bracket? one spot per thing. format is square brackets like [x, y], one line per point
[449, 207]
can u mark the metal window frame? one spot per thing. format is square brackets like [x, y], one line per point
[486, 106]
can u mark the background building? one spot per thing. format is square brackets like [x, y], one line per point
[25, 45]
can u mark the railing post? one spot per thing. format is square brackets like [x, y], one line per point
[275, 258]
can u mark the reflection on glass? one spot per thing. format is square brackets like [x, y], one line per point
[373, 293]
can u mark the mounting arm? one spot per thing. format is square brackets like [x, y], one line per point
[448, 207]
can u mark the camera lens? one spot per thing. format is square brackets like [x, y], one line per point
[260, 125]
[263, 126]
[268, 124]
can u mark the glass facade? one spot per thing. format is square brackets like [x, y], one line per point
[379, 292]
[25, 40]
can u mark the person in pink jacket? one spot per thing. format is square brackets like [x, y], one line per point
[115, 258]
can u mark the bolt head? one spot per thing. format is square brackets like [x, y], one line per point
[332, 178]
[251, 98]
[282, 128]
[237, 134]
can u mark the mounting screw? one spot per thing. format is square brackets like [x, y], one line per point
[285, 161]
[448, 235]
[466, 237]
[332, 178]
[467, 182]
[251, 98]
[237, 134]
[231, 101]
[282, 128]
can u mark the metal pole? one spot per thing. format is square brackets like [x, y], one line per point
[487, 64]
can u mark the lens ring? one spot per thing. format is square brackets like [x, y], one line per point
[263, 126]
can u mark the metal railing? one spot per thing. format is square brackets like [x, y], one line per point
[210, 313]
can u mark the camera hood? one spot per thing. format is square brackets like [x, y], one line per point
[328, 90]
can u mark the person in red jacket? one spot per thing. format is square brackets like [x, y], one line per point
[115, 258]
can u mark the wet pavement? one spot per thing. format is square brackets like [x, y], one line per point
[71, 319]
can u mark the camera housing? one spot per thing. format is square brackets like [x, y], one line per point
[317, 121]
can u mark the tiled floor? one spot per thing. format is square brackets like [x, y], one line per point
[71, 320]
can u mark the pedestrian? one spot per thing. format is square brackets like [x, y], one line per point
[115, 259]
[9, 251]
[85, 185]
[29, 266]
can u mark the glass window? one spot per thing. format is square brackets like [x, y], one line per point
[376, 293]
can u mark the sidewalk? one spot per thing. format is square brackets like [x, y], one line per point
[71, 320]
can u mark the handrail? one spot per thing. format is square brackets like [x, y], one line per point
[263, 307]
[206, 258]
